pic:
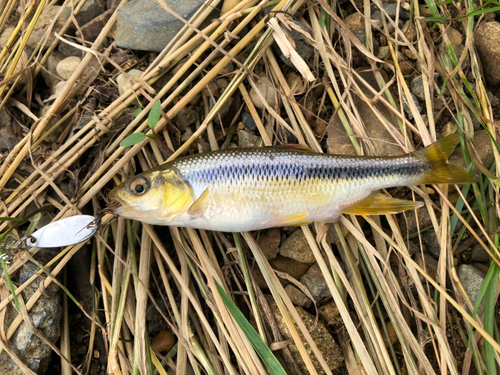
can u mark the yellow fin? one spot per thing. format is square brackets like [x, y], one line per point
[439, 171]
[380, 204]
[199, 205]
[294, 220]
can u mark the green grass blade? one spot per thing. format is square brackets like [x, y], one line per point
[258, 344]
[154, 114]
[133, 139]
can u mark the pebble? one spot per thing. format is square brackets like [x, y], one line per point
[393, 337]
[212, 89]
[303, 49]
[289, 266]
[472, 279]
[487, 42]
[247, 120]
[392, 8]
[297, 297]
[247, 139]
[268, 92]
[269, 243]
[383, 52]
[449, 128]
[483, 146]
[163, 341]
[222, 83]
[44, 21]
[429, 238]
[354, 22]
[296, 247]
[296, 84]
[8, 139]
[454, 36]
[323, 339]
[316, 283]
[429, 264]
[45, 316]
[91, 10]
[65, 68]
[91, 30]
[123, 82]
[144, 25]
[407, 67]
[406, 107]
[479, 254]
[185, 118]
[187, 134]
[5, 36]
[417, 86]
[69, 50]
[228, 5]
[409, 223]
[329, 312]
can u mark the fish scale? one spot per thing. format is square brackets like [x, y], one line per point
[249, 189]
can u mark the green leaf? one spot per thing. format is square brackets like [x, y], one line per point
[154, 114]
[137, 112]
[437, 19]
[12, 219]
[133, 139]
[258, 344]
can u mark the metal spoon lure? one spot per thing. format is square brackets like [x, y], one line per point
[65, 232]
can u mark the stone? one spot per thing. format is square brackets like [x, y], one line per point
[163, 341]
[296, 84]
[479, 254]
[228, 5]
[393, 337]
[332, 233]
[407, 108]
[289, 266]
[482, 144]
[185, 118]
[407, 67]
[297, 297]
[355, 21]
[45, 316]
[392, 9]
[329, 312]
[144, 25]
[247, 120]
[411, 223]
[417, 86]
[449, 128]
[429, 264]
[429, 238]
[50, 75]
[338, 142]
[212, 89]
[316, 283]
[487, 42]
[91, 10]
[303, 49]
[123, 81]
[247, 139]
[269, 243]
[322, 338]
[65, 68]
[8, 139]
[268, 92]
[91, 30]
[5, 36]
[69, 50]
[383, 52]
[297, 248]
[454, 36]
[471, 279]
[44, 21]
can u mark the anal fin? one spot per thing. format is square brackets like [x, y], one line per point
[198, 207]
[380, 204]
[294, 220]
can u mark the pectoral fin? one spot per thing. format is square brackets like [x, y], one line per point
[380, 204]
[198, 207]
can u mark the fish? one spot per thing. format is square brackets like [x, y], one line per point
[247, 189]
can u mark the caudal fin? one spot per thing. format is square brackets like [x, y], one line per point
[440, 172]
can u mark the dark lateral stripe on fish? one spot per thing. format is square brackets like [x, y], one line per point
[301, 172]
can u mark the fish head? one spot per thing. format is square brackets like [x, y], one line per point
[159, 195]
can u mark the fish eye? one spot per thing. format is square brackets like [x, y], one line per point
[139, 186]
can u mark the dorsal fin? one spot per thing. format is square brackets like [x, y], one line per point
[299, 147]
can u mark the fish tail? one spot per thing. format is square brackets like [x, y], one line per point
[435, 156]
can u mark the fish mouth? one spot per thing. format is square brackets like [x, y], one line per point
[114, 203]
